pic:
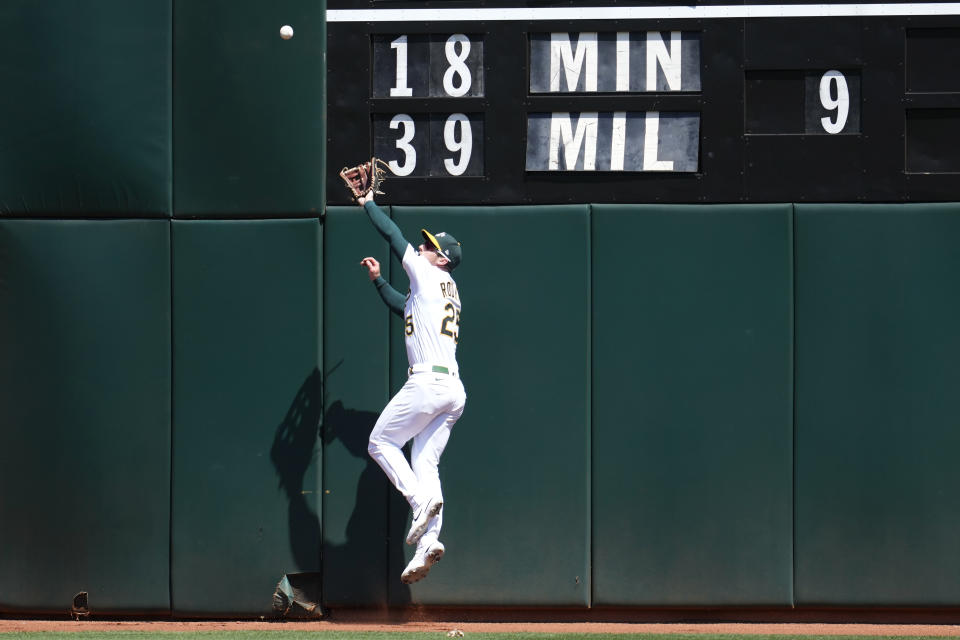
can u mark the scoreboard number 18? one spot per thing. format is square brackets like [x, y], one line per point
[427, 66]
[457, 78]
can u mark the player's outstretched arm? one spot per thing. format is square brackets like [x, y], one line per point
[390, 296]
[386, 227]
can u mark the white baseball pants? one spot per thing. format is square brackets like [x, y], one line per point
[424, 410]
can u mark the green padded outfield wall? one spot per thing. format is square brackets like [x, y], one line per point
[692, 405]
[878, 369]
[516, 470]
[98, 124]
[356, 388]
[85, 121]
[85, 414]
[246, 411]
[249, 108]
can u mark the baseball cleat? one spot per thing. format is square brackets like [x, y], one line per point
[419, 566]
[435, 552]
[422, 517]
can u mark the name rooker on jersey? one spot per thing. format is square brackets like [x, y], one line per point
[449, 290]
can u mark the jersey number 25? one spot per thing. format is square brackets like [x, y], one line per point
[454, 317]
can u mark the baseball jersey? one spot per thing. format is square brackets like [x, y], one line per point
[431, 313]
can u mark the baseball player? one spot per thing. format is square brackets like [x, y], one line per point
[432, 399]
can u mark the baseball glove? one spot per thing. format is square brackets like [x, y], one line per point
[364, 178]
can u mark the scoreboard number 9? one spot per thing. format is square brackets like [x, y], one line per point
[832, 83]
[458, 138]
[832, 100]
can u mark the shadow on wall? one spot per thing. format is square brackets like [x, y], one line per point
[368, 529]
[368, 546]
[294, 445]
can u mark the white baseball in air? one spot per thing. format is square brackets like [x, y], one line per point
[286, 32]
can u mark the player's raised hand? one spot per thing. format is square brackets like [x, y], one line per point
[373, 267]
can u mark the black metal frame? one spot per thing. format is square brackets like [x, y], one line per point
[734, 166]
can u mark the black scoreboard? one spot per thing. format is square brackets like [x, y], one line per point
[509, 103]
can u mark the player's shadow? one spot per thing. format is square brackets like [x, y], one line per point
[356, 569]
[294, 447]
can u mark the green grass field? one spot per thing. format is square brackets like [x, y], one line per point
[398, 635]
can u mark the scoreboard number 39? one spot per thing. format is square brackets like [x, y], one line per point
[430, 144]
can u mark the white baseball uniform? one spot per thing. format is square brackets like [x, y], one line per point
[433, 398]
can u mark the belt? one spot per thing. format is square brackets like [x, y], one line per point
[431, 368]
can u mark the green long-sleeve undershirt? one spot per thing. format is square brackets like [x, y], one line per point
[387, 228]
[390, 296]
[398, 244]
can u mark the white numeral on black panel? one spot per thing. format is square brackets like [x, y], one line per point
[457, 68]
[430, 144]
[833, 83]
[458, 138]
[402, 120]
[831, 101]
[427, 66]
